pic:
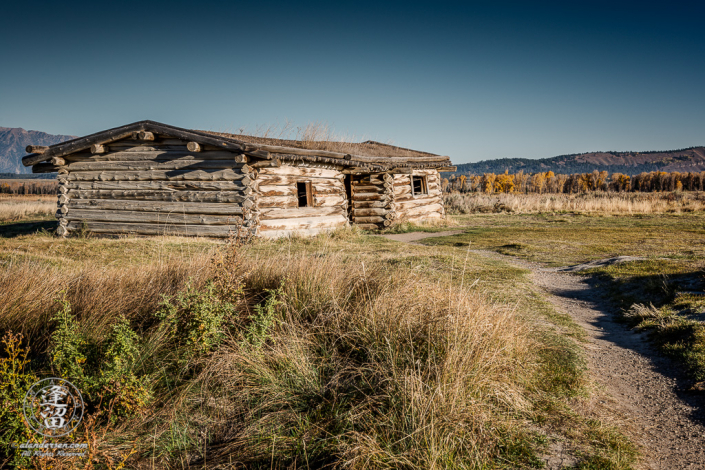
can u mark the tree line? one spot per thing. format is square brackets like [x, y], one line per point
[34, 186]
[549, 182]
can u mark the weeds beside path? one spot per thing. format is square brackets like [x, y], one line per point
[641, 388]
[644, 388]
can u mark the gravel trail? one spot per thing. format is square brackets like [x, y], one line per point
[646, 389]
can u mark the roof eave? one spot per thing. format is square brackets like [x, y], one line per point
[255, 150]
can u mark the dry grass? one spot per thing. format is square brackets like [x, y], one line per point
[17, 207]
[98, 294]
[372, 357]
[427, 225]
[594, 202]
[402, 372]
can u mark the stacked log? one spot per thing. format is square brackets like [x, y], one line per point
[62, 207]
[250, 209]
[391, 214]
[372, 198]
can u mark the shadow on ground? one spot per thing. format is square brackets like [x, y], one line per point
[15, 229]
[611, 297]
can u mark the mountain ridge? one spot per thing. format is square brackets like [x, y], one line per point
[14, 140]
[691, 159]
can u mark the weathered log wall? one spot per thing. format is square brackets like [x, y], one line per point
[154, 187]
[418, 207]
[381, 200]
[277, 202]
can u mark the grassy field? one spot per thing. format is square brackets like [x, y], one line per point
[661, 292]
[347, 350]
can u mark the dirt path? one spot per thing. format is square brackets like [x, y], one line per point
[413, 237]
[646, 389]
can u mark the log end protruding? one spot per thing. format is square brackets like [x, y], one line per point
[58, 161]
[38, 149]
[193, 147]
[98, 148]
[144, 135]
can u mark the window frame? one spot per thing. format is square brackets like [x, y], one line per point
[308, 188]
[424, 185]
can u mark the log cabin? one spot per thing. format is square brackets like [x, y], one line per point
[149, 178]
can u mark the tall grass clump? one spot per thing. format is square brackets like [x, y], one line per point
[360, 366]
[97, 294]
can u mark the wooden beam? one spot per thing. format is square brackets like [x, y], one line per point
[98, 148]
[232, 196]
[193, 147]
[155, 229]
[154, 155]
[145, 135]
[38, 149]
[58, 161]
[161, 185]
[164, 207]
[104, 215]
[157, 175]
[447, 169]
[356, 171]
[185, 164]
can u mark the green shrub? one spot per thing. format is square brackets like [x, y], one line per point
[263, 319]
[15, 380]
[117, 383]
[195, 318]
[103, 372]
[68, 345]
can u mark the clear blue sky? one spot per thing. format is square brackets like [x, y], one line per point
[473, 80]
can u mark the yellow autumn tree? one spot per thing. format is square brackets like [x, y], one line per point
[538, 182]
[463, 183]
[476, 182]
[585, 182]
[488, 182]
[504, 183]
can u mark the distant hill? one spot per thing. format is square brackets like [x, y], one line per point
[630, 163]
[13, 141]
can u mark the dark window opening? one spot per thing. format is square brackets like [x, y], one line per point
[418, 185]
[348, 192]
[304, 194]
